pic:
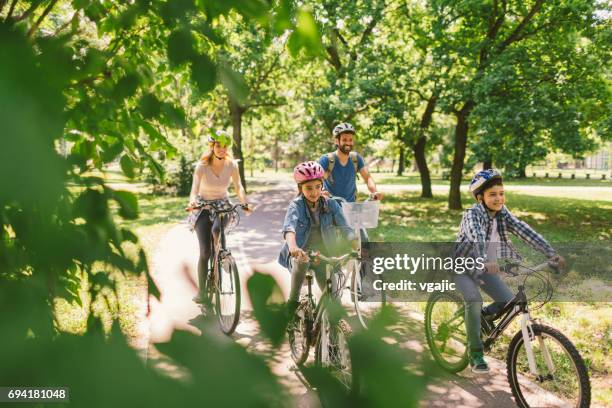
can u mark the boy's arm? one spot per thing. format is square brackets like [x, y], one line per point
[475, 232]
[528, 235]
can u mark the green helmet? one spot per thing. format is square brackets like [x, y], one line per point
[220, 136]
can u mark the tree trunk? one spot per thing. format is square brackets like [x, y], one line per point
[402, 161]
[276, 154]
[419, 147]
[236, 112]
[419, 156]
[487, 164]
[521, 171]
[461, 133]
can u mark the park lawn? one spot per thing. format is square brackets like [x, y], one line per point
[413, 178]
[407, 217]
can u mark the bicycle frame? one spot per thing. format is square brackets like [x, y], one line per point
[519, 306]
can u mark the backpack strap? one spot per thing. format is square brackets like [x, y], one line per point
[353, 156]
[331, 160]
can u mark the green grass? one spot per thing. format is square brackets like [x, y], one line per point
[407, 217]
[413, 178]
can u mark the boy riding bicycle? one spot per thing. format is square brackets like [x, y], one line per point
[484, 233]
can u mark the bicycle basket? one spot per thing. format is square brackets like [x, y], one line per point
[361, 215]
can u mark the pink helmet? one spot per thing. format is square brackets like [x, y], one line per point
[307, 171]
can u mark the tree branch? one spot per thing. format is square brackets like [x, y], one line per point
[66, 24]
[41, 18]
[515, 35]
[29, 11]
[11, 9]
[421, 95]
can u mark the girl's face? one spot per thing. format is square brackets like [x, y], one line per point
[312, 190]
[494, 197]
[219, 150]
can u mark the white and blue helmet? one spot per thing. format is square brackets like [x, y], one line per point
[481, 179]
[343, 128]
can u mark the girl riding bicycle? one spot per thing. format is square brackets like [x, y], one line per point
[311, 223]
[211, 179]
[484, 233]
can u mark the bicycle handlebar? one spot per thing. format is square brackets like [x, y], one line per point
[214, 205]
[338, 260]
[517, 268]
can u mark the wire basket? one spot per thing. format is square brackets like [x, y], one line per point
[361, 215]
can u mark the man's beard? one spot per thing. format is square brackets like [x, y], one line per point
[345, 149]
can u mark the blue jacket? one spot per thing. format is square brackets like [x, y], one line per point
[331, 221]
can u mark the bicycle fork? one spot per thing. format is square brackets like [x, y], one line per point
[528, 336]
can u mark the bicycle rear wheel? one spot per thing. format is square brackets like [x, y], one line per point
[562, 379]
[445, 331]
[332, 349]
[227, 296]
[367, 301]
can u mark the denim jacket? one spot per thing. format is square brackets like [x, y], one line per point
[297, 220]
[475, 231]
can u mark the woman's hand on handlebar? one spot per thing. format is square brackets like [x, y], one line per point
[192, 205]
[248, 208]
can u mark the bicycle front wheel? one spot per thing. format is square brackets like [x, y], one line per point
[367, 301]
[298, 332]
[445, 331]
[561, 377]
[332, 351]
[227, 296]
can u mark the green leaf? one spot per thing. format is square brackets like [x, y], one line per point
[127, 166]
[272, 320]
[149, 106]
[174, 114]
[233, 82]
[204, 73]
[180, 47]
[126, 87]
[128, 203]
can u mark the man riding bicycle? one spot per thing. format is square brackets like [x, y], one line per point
[340, 175]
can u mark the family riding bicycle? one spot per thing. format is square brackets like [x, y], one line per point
[325, 239]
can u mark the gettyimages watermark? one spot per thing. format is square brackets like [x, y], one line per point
[411, 272]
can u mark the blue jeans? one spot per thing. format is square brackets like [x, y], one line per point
[493, 286]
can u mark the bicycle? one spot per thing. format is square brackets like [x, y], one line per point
[223, 282]
[362, 215]
[537, 353]
[311, 324]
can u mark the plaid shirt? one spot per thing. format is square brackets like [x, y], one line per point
[475, 231]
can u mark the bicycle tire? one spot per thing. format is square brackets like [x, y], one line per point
[520, 393]
[442, 333]
[228, 307]
[301, 325]
[334, 353]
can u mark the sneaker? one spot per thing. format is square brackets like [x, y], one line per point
[478, 363]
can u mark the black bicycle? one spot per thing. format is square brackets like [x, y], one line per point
[312, 325]
[223, 282]
[544, 368]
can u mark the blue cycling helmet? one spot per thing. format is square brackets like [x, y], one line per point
[482, 179]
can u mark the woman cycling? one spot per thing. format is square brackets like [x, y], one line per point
[211, 180]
